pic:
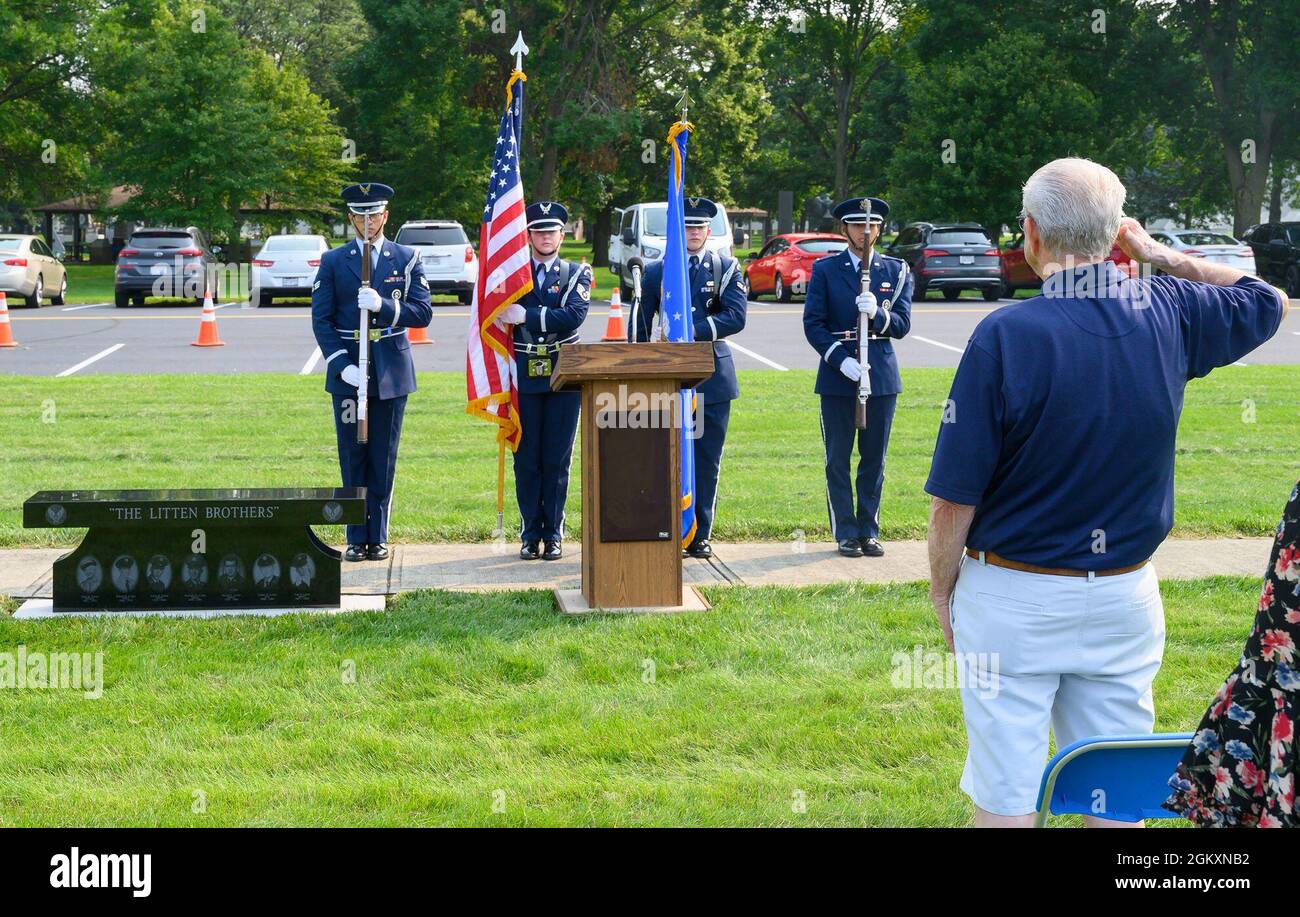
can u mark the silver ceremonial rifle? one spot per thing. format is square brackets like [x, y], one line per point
[864, 324]
[363, 348]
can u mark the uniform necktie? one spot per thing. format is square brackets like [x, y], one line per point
[695, 264]
[541, 276]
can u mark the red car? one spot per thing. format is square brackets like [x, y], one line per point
[1018, 275]
[784, 266]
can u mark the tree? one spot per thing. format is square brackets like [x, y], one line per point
[999, 87]
[315, 36]
[603, 78]
[42, 98]
[423, 106]
[823, 61]
[1247, 51]
[983, 123]
[1176, 177]
[206, 125]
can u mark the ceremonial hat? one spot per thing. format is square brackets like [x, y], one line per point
[861, 210]
[546, 215]
[367, 197]
[700, 211]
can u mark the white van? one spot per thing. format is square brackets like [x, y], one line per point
[641, 234]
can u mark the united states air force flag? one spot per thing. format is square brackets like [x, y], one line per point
[675, 305]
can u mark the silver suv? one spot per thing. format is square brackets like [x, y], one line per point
[450, 264]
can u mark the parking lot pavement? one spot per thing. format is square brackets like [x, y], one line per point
[98, 338]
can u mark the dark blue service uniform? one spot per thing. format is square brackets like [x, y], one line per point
[398, 277]
[556, 308]
[830, 321]
[718, 306]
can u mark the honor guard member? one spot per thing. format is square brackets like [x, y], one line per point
[397, 299]
[830, 322]
[718, 304]
[544, 320]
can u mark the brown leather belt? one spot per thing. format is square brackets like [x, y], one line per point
[999, 561]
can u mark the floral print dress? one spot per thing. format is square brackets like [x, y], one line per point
[1240, 770]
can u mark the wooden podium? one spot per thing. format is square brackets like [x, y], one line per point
[631, 471]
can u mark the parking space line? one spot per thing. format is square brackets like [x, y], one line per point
[86, 362]
[749, 353]
[917, 337]
[93, 305]
[311, 362]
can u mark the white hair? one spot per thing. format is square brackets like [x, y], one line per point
[1077, 205]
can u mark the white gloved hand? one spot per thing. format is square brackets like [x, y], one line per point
[867, 304]
[515, 314]
[852, 369]
[368, 298]
[351, 375]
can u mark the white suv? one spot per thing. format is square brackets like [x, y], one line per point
[450, 264]
[641, 234]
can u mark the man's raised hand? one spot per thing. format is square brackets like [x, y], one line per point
[1135, 241]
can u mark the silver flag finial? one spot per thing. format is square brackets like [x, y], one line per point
[519, 49]
[684, 103]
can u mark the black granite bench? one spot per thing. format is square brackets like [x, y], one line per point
[197, 549]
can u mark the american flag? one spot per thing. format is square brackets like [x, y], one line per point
[503, 277]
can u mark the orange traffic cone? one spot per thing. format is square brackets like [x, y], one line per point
[6, 333]
[418, 336]
[615, 330]
[208, 325]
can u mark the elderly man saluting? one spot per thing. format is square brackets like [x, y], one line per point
[1052, 480]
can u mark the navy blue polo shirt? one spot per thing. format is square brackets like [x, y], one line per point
[1061, 422]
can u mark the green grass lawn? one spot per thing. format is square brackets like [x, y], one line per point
[276, 430]
[449, 703]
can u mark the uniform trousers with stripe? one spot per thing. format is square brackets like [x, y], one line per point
[838, 435]
[708, 464]
[550, 423]
[372, 466]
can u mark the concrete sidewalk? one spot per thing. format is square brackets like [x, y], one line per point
[25, 572]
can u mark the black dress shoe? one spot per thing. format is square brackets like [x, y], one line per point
[377, 552]
[872, 548]
[701, 548]
[553, 551]
[355, 553]
[851, 547]
[528, 551]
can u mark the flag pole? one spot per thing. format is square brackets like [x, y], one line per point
[501, 489]
[518, 49]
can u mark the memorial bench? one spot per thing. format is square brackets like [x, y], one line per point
[197, 549]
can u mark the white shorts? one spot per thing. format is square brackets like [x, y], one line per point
[1075, 653]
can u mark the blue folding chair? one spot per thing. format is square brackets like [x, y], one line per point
[1123, 778]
